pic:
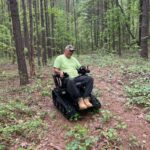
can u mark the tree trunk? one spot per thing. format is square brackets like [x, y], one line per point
[18, 42]
[145, 29]
[25, 25]
[140, 20]
[44, 56]
[36, 9]
[52, 27]
[75, 27]
[31, 57]
[119, 32]
[47, 21]
[67, 15]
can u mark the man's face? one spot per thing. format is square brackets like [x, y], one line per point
[68, 53]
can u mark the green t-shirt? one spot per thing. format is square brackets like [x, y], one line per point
[68, 65]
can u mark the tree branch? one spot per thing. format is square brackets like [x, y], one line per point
[127, 26]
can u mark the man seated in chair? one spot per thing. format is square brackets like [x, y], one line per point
[66, 63]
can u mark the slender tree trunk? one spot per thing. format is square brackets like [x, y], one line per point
[44, 56]
[52, 27]
[47, 21]
[145, 29]
[36, 8]
[75, 26]
[119, 32]
[92, 40]
[18, 42]
[32, 65]
[140, 20]
[67, 14]
[25, 25]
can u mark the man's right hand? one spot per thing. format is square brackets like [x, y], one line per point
[61, 74]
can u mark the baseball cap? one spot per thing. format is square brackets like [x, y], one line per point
[70, 47]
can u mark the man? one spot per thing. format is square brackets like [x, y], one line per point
[69, 64]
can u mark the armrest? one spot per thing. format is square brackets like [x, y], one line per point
[58, 80]
[83, 70]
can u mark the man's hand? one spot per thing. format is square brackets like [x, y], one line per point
[61, 74]
[58, 71]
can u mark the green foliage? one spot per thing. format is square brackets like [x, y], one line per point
[139, 91]
[16, 119]
[121, 125]
[81, 139]
[148, 117]
[5, 39]
[106, 116]
[111, 135]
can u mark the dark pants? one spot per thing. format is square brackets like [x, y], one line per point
[73, 90]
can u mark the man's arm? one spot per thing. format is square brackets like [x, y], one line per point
[58, 71]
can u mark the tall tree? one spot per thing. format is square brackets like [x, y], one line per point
[47, 21]
[27, 42]
[75, 26]
[144, 29]
[36, 11]
[52, 26]
[44, 54]
[18, 42]
[31, 54]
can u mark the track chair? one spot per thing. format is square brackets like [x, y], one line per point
[62, 99]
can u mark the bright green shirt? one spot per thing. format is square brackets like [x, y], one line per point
[68, 65]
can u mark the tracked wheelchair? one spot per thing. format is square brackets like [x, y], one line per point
[63, 101]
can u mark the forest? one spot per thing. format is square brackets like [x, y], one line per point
[111, 37]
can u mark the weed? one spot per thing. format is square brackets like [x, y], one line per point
[106, 115]
[148, 117]
[53, 115]
[81, 140]
[111, 135]
[139, 91]
[121, 125]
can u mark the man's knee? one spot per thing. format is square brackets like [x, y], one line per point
[90, 79]
[70, 82]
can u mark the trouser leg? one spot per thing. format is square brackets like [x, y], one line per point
[72, 89]
[86, 81]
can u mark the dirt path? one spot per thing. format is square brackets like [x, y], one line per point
[113, 99]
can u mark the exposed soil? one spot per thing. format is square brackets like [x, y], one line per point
[110, 83]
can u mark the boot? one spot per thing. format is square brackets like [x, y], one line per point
[87, 102]
[81, 104]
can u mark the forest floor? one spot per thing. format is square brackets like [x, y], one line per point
[117, 125]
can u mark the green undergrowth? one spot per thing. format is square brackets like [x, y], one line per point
[19, 120]
[137, 77]
[22, 115]
[138, 89]
[81, 140]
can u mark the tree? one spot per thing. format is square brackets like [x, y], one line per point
[44, 56]
[144, 28]
[27, 42]
[37, 39]
[47, 21]
[18, 42]
[31, 54]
